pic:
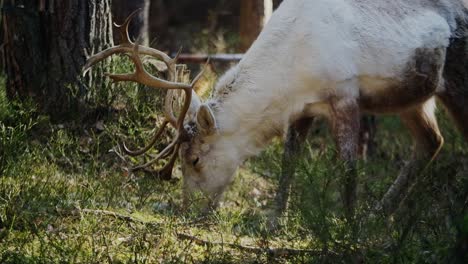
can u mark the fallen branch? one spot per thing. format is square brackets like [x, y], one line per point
[110, 213]
[275, 252]
[119, 216]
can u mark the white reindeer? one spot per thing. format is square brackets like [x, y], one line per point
[330, 58]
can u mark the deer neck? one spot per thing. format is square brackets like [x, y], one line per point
[251, 110]
[256, 100]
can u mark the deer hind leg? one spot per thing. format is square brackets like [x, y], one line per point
[297, 134]
[428, 141]
[345, 122]
[455, 94]
[456, 103]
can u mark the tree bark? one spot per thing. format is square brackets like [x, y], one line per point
[276, 3]
[159, 20]
[253, 16]
[45, 47]
[121, 9]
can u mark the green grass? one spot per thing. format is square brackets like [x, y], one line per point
[54, 175]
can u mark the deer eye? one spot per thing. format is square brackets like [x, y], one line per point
[195, 162]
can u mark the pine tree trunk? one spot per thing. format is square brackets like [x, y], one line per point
[253, 16]
[45, 47]
[121, 9]
[276, 3]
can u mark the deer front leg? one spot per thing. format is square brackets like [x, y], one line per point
[367, 144]
[345, 122]
[297, 134]
[422, 124]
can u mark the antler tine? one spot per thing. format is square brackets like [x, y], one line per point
[153, 141]
[183, 113]
[171, 65]
[176, 58]
[169, 149]
[123, 28]
[179, 123]
[165, 173]
[142, 76]
[169, 118]
[168, 108]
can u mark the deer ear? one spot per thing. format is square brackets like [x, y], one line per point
[206, 120]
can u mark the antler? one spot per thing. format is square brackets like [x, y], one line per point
[140, 75]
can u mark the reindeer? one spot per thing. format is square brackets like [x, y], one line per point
[331, 58]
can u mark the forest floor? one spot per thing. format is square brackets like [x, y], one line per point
[66, 197]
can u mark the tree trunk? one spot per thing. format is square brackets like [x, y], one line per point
[121, 9]
[276, 3]
[253, 16]
[45, 46]
[159, 21]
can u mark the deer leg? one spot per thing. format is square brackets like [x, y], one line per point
[367, 144]
[297, 134]
[428, 141]
[345, 120]
[456, 102]
[455, 94]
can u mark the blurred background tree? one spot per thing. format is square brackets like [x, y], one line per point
[253, 16]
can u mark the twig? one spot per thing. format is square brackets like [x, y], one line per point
[275, 252]
[123, 217]
[110, 213]
[128, 218]
[118, 152]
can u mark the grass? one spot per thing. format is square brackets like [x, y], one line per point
[54, 178]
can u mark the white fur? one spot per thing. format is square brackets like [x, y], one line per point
[309, 52]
